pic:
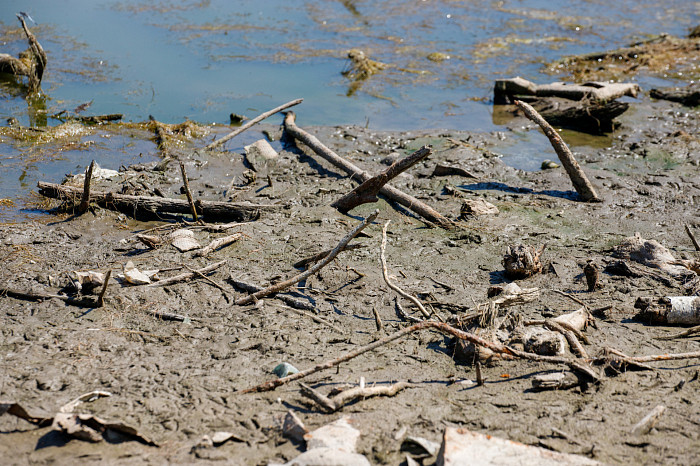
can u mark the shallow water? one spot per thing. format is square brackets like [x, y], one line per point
[205, 59]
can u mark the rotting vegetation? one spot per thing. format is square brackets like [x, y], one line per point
[127, 316]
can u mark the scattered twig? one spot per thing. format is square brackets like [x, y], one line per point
[377, 319]
[288, 300]
[402, 314]
[692, 237]
[252, 122]
[477, 367]
[218, 244]
[31, 296]
[318, 266]
[188, 193]
[336, 402]
[208, 279]
[322, 254]
[684, 333]
[573, 298]
[385, 274]
[187, 276]
[313, 317]
[101, 296]
[579, 179]
[169, 316]
[356, 173]
[506, 351]
[367, 191]
[85, 199]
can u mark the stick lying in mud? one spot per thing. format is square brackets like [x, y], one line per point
[288, 300]
[410, 202]
[581, 183]
[31, 296]
[188, 276]
[188, 192]
[385, 274]
[31, 63]
[577, 365]
[252, 122]
[312, 270]
[334, 403]
[151, 206]
[368, 190]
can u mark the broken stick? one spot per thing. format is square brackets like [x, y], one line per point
[31, 63]
[188, 193]
[334, 403]
[187, 276]
[409, 202]
[368, 190]
[312, 270]
[252, 122]
[85, 199]
[579, 179]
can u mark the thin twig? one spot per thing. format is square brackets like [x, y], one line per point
[684, 333]
[573, 298]
[101, 297]
[288, 300]
[692, 237]
[318, 266]
[252, 122]
[317, 257]
[218, 244]
[385, 274]
[213, 282]
[188, 193]
[187, 276]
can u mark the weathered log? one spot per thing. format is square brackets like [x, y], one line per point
[148, 206]
[688, 96]
[506, 90]
[31, 63]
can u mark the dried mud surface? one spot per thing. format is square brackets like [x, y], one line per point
[178, 381]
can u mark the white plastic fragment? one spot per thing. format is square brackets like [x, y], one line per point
[462, 446]
[134, 276]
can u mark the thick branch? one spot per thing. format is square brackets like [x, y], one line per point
[312, 270]
[252, 122]
[368, 190]
[356, 173]
[579, 179]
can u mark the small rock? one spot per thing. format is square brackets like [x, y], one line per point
[338, 435]
[548, 164]
[475, 207]
[329, 457]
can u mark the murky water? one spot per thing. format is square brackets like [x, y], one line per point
[204, 59]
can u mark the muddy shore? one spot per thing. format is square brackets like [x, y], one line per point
[178, 381]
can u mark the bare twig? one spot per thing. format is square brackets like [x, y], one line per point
[188, 193]
[684, 333]
[32, 296]
[579, 179]
[213, 282]
[368, 190]
[506, 351]
[288, 300]
[377, 319]
[318, 266]
[85, 199]
[322, 254]
[187, 276]
[252, 122]
[336, 402]
[692, 237]
[385, 274]
[356, 173]
[402, 314]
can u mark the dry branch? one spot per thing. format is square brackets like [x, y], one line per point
[317, 257]
[187, 276]
[288, 300]
[356, 173]
[252, 122]
[385, 274]
[367, 191]
[579, 179]
[318, 266]
[188, 193]
[334, 403]
[32, 296]
[31, 62]
[85, 198]
[692, 237]
[506, 351]
[218, 244]
[152, 206]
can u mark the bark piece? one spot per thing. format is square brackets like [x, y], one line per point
[555, 381]
[477, 207]
[31, 62]
[293, 427]
[545, 342]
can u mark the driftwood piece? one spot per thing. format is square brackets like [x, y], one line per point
[522, 261]
[685, 333]
[288, 300]
[555, 381]
[579, 179]
[409, 202]
[188, 192]
[447, 170]
[674, 310]
[595, 117]
[506, 90]
[649, 421]
[336, 402]
[152, 206]
[504, 350]
[653, 254]
[252, 122]
[692, 237]
[312, 270]
[476, 207]
[32, 296]
[31, 62]
[367, 191]
[688, 96]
